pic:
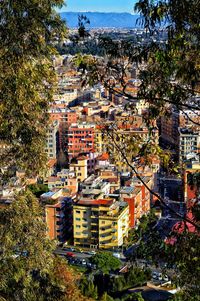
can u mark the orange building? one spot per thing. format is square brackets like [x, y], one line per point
[59, 218]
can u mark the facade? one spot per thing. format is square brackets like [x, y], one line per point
[94, 187]
[79, 166]
[80, 138]
[172, 130]
[100, 223]
[58, 218]
[189, 144]
[52, 142]
[190, 192]
[63, 179]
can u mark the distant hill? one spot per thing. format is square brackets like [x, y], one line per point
[97, 19]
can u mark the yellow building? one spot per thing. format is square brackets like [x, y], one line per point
[100, 223]
[98, 141]
[79, 166]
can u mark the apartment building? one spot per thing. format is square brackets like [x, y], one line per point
[58, 218]
[189, 144]
[52, 141]
[80, 168]
[190, 191]
[63, 179]
[170, 125]
[138, 198]
[101, 223]
[94, 187]
[111, 176]
[80, 138]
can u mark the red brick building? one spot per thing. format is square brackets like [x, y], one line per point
[80, 138]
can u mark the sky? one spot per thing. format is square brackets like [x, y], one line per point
[99, 5]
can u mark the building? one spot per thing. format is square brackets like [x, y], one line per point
[79, 166]
[58, 218]
[189, 144]
[80, 138]
[94, 187]
[172, 130]
[102, 223]
[52, 141]
[63, 179]
[190, 191]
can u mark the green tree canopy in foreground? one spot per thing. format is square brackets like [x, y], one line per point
[105, 262]
[28, 31]
[29, 270]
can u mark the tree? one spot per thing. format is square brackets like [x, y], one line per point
[88, 288]
[28, 31]
[29, 270]
[105, 262]
[38, 189]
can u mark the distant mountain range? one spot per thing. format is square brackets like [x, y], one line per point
[98, 19]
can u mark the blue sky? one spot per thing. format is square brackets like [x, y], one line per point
[99, 5]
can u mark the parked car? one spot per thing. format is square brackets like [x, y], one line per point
[70, 254]
[91, 252]
[117, 255]
[83, 262]
[160, 276]
[165, 278]
[79, 250]
[154, 275]
[72, 249]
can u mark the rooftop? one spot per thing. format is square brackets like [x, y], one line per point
[100, 202]
[127, 189]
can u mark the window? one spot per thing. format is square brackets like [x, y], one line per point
[77, 226]
[78, 211]
[78, 219]
[103, 222]
[78, 233]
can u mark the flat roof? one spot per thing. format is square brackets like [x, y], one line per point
[105, 202]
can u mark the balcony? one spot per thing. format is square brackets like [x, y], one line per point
[104, 228]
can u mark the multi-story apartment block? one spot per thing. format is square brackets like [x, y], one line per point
[98, 140]
[79, 166]
[58, 218]
[63, 179]
[138, 198]
[100, 223]
[80, 138]
[189, 144]
[52, 142]
[110, 176]
[170, 128]
[190, 191]
[94, 187]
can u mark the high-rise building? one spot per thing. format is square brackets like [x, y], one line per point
[80, 138]
[102, 223]
[52, 141]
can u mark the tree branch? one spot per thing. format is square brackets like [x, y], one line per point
[184, 218]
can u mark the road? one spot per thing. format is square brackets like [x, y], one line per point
[63, 251]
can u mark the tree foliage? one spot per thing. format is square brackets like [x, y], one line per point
[38, 189]
[29, 270]
[28, 31]
[105, 262]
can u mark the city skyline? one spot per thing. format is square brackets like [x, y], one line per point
[99, 6]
